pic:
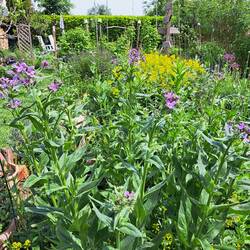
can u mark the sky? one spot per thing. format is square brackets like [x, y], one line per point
[118, 7]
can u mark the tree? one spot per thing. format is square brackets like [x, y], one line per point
[155, 7]
[55, 6]
[99, 9]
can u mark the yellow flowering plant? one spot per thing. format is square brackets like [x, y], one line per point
[169, 71]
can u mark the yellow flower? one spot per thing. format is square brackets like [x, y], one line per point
[156, 228]
[156, 68]
[16, 245]
[27, 244]
[117, 72]
[115, 92]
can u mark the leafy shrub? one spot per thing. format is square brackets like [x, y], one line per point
[211, 53]
[75, 40]
[150, 37]
[88, 64]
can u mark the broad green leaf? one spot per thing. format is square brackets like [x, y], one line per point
[130, 229]
[86, 187]
[182, 226]
[67, 239]
[102, 217]
[34, 180]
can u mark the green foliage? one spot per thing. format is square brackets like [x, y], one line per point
[210, 53]
[55, 7]
[75, 41]
[99, 9]
[150, 37]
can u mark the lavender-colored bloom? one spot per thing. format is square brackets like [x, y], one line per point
[54, 86]
[134, 56]
[44, 64]
[246, 138]
[129, 195]
[229, 127]
[171, 100]
[30, 72]
[230, 58]
[20, 67]
[14, 103]
[242, 126]
[2, 95]
[4, 82]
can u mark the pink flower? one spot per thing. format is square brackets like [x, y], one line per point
[54, 86]
[129, 195]
[44, 64]
[171, 100]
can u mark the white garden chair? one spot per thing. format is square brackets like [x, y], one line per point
[47, 48]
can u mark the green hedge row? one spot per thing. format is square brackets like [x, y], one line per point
[123, 21]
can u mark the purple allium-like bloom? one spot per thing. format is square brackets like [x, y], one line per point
[134, 56]
[4, 82]
[14, 103]
[171, 100]
[230, 58]
[44, 64]
[54, 86]
[234, 66]
[129, 195]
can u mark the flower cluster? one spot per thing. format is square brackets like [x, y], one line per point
[231, 60]
[171, 100]
[129, 195]
[19, 245]
[135, 56]
[162, 69]
[44, 64]
[242, 128]
[20, 75]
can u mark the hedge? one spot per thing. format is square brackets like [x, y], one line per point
[73, 21]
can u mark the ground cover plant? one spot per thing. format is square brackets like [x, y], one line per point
[154, 155]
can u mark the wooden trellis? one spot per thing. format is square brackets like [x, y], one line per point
[24, 38]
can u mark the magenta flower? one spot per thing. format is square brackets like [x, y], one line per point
[14, 104]
[44, 64]
[54, 86]
[234, 66]
[129, 195]
[230, 58]
[171, 100]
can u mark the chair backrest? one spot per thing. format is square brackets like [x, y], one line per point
[52, 42]
[40, 39]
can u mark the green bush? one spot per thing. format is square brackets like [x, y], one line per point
[150, 37]
[75, 41]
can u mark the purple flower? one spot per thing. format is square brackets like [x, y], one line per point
[31, 72]
[229, 127]
[171, 100]
[4, 82]
[54, 86]
[242, 126]
[234, 66]
[14, 104]
[20, 67]
[129, 195]
[2, 95]
[230, 58]
[44, 64]
[134, 56]
[246, 138]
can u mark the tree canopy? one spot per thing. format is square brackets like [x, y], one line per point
[55, 6]
[99, 9]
